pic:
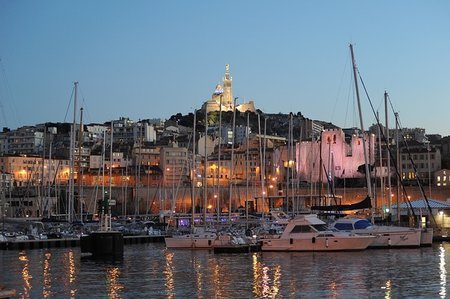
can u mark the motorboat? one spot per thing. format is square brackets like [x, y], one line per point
[198, 239]
[309, 233]
[386, 236]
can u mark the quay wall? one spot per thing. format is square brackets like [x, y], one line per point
[152, 200]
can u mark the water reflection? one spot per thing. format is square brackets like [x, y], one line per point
[168, 272]
[114, 286]
[216, 280]
[263, 284]
[151, 271]
[25, 274]
[71, 273]
[387, 288]
[47, 277]
[442, 272]
[333, 289]
[276, 281]
[199, 275]
[256, 266]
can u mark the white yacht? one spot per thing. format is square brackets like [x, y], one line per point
[309, 233]
[199, 239]
[386, 236]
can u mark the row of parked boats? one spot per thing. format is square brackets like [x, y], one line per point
[307, 233]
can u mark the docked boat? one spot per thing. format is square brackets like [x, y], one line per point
[199, 239]
[385, 236]
[231, 243]
[309, 233]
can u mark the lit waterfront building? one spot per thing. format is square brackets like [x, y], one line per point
[427, 160]
[32, 170]
[174, 164]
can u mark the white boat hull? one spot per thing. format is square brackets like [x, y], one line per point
[190, 242]
[349, 243]
[390, 238]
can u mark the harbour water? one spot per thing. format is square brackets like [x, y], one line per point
[152, 271]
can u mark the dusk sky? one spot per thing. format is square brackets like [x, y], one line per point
[152, 59]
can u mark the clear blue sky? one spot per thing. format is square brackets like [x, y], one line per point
[145, 59]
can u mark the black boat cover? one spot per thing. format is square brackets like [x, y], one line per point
[364, 204]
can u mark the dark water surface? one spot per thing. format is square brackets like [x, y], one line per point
[152, 271]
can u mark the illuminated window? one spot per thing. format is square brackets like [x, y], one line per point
[438, 178]
[444, 178]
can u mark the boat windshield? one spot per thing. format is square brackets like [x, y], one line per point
[362, 224]
[321, 227]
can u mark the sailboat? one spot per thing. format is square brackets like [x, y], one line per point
[386, 236]
[199, 237]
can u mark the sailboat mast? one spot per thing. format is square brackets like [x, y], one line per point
[72, 147]
[381, 165]
[79, 176]
[263, 167]
[366, 164]
[232, 161]
[218, 161]
[287, 164]
[108, 203]
[193, 172]
[49, 176]
[205, 172]
[103, 177]
[388, 151]
[399, 178]
[260, 154]
[246, 168]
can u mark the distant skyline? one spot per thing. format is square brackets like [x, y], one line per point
[152, 59]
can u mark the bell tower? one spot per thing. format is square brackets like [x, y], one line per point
[227, 100]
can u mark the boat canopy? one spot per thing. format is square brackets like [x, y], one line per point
[364, 204]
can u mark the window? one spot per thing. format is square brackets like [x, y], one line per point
[320, 227]
[301, 229]
[421, 157]
[362, 224]
[343, 226]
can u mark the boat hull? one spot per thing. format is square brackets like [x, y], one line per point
[189, 242]
[351, 243]
[408, 238]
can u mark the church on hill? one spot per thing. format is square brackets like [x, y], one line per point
[223, 96]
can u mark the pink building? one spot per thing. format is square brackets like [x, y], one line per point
[341, 155]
